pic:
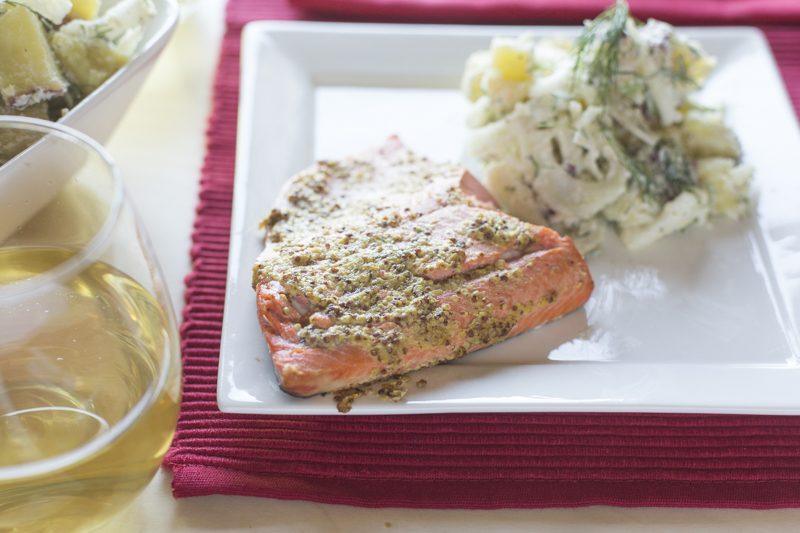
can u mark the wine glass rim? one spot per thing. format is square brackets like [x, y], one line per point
[89, 252]
[94, 247]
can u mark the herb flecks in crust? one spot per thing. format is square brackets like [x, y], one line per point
[392, 389]
[371, 280]
[381, 264]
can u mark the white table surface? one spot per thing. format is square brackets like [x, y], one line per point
[159, 146]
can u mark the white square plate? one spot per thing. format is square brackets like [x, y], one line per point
[704, 321]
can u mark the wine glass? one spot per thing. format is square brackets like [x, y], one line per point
[89, 360]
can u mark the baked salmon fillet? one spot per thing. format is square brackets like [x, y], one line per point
[386, 263]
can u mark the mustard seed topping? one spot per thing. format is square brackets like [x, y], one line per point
[373, 266]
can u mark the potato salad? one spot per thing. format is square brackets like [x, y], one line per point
[602, 132]
[53, 53]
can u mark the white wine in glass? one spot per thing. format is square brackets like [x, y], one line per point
[89, 361]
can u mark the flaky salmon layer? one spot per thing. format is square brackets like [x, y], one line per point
[388, 263]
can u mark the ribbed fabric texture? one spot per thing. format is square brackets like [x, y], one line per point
[449, 461]
[567, 11]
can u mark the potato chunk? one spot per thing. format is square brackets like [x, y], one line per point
[511, 58]
[88, 63]
[91, 51]
[84, 9]
[28, 70]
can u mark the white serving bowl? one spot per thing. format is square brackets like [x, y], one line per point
[33, 178]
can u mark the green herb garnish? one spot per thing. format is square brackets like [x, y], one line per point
[670, 171]
[535, 164]
[598, 48]
[662, 175]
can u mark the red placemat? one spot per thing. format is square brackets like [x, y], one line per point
[441, 461]
[570, 11]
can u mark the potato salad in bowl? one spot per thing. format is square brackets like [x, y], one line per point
[53, 53]
[603, 132]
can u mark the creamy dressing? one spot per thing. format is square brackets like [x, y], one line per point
[603, 133]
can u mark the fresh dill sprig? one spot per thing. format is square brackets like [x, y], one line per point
[671, 171]
[598, 48]
[536, 166]
[661, 176]
[102, 31]
[660, 172]
[638, 174]
[679, 73]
